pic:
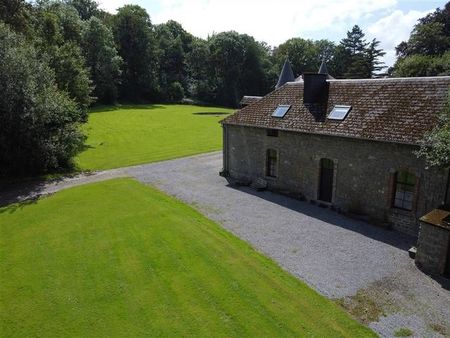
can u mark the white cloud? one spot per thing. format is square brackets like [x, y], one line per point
[393, 29]
[273, 22]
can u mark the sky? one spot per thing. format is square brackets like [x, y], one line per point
[275, 21]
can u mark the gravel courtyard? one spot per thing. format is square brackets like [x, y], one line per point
[365, 268]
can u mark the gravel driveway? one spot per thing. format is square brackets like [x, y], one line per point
[365, 268]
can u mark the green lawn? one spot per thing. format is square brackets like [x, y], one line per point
[130, 135]
[120, 259]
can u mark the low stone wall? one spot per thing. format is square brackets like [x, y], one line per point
[432, 247]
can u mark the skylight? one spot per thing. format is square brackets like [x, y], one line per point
[281, 110]
[339, 112]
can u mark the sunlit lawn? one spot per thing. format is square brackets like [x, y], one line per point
[130, 135]
[120, 259]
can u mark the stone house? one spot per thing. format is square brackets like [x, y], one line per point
[346, 144]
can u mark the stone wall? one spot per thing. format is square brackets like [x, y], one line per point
[364, 171]
[432, 247]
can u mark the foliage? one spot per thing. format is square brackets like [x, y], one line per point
[86, 8]
[174, 44]
[72, 75]
[121, 259]
[359, 57]
[135, 39]
[149, 133]
[102, 59]
[175, 92]
[16, 13]
[236, 62]
[423, 65]
[426, 53]
[39, 123]
[435, 147]
[403, 332]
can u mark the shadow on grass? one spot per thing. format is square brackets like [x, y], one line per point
[18, 194]
[103, 109]
[211, 113]
[390, 237]
[15, 193]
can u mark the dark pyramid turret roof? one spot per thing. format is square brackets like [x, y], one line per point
[287, 75]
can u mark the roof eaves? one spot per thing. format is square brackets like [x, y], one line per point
[323, 134]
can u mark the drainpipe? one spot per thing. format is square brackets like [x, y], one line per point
[447, 191]
[224, 171]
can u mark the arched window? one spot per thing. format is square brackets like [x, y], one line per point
[404, 190]
[271, 163]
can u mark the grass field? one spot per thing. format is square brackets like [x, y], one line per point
[120, 259]
[130, 135]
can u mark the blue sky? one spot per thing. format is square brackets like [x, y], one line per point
[390, 21]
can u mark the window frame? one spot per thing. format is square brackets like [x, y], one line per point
[272, 132]
[336, 107]
[403, 187]
[280, 116]
[271, 165]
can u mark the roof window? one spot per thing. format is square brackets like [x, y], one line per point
[339, 112]
[281, 110]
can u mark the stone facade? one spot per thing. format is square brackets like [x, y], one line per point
[363, 175]
[433, 246]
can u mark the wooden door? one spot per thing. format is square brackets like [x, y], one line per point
[326, 180]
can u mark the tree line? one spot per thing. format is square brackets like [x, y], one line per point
[58, 57]
[427, 51]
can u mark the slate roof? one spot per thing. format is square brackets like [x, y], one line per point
[398, 110]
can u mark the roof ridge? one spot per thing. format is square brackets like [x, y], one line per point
[398, 79]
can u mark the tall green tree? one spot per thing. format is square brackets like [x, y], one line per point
[102, 59]
[302, 54]
[426, 51]
[17, 14]
[201, 82]
[58, 39]
[134, 35]
[86, 8]
[39, 122]
[359, 57]
[174, 44]
[235, 60]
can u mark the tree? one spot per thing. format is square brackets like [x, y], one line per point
[426, 51]
[360, 58]
[200, 79]
[72, 75]
[428, 39]
[58, 38]
[40, 123]
[102, 59]
[134, 37]
[237, 67]
[174, 43]
[303, 55]
[435, 146]
[86, 8]
[17, 14]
